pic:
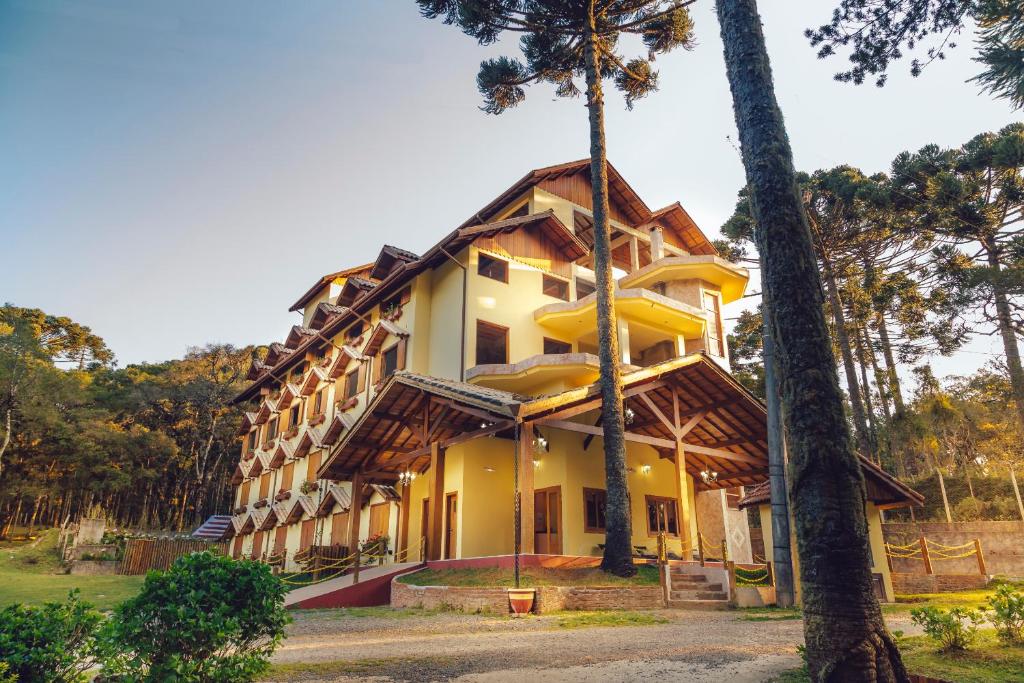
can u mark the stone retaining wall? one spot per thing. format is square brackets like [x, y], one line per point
[548, 599]
[911, 584]
[94, 567]
[1002, 544]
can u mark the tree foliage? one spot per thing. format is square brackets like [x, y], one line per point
[51, 643]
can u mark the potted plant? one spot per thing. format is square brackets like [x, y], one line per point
[317, 419]
[283, 494]
[309, 487]
[521, 599]
[261, 503]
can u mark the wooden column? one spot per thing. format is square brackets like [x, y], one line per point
[435, 488]
[682, 495]
[355, 511]
[634, 254]
[403, 524]
[526, 511]
[657, 244]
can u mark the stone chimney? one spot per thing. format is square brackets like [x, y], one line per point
[657, 243]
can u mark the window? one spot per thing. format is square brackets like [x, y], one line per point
[300, 369]
[556, 346]
[307, 534]
[716, 344]
[594, 501]
[494, 268]
[661, 516]
[318, 401]
[287, 477]
[491, 343]
[389, 362]
[312, 465]
[250, 443]
[293, 414]
[396, 301]
[243, 494]
[355, 331]
[264, 485]
[272, 429]
[352, 384]
[584, 288]
[556, 287]
[523, 210]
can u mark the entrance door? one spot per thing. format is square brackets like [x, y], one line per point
[380, 519]
[547, 521]
[451, 505]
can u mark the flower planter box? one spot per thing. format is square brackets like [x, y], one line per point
[291, 433]
[261, 503]
[282, 495]
[317, 420]
[269, 446]
[309, 487]
[348, 404]
[240, 509]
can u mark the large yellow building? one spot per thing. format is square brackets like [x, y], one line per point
[448, 400]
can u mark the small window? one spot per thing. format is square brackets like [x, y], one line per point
[584, 288]
[555, 346]
[293, 414]
[556, 287]
[594, 501]
[352, 384]
[661, 516]
[272, 430]
[318, 401]
[354, 331]
[251, 442]
[389, 362]
[491, 343]
[494, 268]
[300, 369]
[395, 302]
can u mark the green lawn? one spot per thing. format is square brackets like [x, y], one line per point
[530, 577]
[30, 574]
[973, 599]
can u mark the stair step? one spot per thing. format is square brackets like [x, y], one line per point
[697, 595]
[694, 578]
[701, 605]
[696, 585]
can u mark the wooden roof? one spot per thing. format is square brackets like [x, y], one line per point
[884, 490]
[388, 258]
[721, 424]
[326, 280]
[675, 218]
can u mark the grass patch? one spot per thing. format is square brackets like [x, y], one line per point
[972, 599]
[609, 618]
[988, 661]
[771, 614]
[530, 577]
[29, 574]
[374, 666]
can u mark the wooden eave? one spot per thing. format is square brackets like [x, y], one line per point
[242, 524]
[675, 217]
[325, 281]
[297, 335]
[269, 521]
[388, 258]
[281, 454]
[248, 422]
[323, 314]
[277, 352]
[346, 355]
[379, 334]
[394, 432]
[238, 476]
[289, 392]
[310, 439]
[552, 228]
[312, 381]
[354, 289]
[303, 506]
[266, 409]
[256, 368]
[338, 424]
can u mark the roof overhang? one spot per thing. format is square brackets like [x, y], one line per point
[326, 280]
[728, 277]
[637, 305]
[576, 369]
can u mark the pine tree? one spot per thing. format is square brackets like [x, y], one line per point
[564, 41]
[845, 635]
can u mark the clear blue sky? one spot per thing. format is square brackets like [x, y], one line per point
[176, 173]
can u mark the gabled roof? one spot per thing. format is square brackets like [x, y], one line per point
[354, 288]
[297, 335]
[338, 424]
[619, 190]
[276, 353]
[335, 495]
[237, 476]
[326, 280]
[386, 491]
[281, 453]
[675, 217]
[312, 381]
[242, 523]
[248, 422]
[379, 334]
[387, 260]
[323, 313]
[553, 229]
[346, 355]
[289, 392]
[310, 439]
[256, 368]
[303, 506]
[263, 413]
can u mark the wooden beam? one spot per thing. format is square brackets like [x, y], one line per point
[526, 511]
[409, 456]
[693, 422]
[724, 454]
[597, 431]
[482, 414]
[590, 437]
[744, 474]
[355, 511]
[435, 488]
[673, 428]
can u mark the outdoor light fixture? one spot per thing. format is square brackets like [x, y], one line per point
[536, 462]
[645, 469]
[489, 469]
[628, 415]
[709, 476]
[540, 443]
[406, 478]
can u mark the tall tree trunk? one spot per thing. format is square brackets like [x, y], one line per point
[890, 364]
[845, 349]
[782, 552]
[1006, 331]
[618, 550]
[843, 628]
[7, 439]
[883, 391]
[869, 407]
[1016, 492]
[945, 499]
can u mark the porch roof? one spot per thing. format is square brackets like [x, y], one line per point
[720, 424]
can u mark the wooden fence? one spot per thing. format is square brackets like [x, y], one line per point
[143, 554]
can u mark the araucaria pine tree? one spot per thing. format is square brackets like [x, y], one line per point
[563, 42]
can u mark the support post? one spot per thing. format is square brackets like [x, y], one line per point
[682, 490]
[981, 556]
[403, 525]
[355, 569]
[355, 511]
[725, 551]
[634, 254]
[526, 503]
[924, 555]
[657, 244]
[700, 548]
[769, 567]
[436, 512]
[730, 568]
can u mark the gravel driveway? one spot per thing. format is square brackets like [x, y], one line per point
[698, 646]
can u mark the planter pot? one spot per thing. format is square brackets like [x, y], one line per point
[521, 599]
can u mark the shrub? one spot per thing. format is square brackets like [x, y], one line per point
[952, 629]
[1007, 607]
[49, 644]
[208, 618]
[5, 674]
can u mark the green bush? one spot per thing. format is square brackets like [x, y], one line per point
[952, 629]
[1007, 607]
[48, 644]
[208, 618]
[5, 674]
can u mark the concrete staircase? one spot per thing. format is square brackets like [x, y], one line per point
[693, 591]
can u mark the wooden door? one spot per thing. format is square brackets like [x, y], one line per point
[307, 534]
[451, 506]
[339, 529]
[280, 539]
[547, 521]
[380, 519]
[257, 545]
[236, 551]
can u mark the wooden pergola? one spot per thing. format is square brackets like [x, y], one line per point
[689, 409]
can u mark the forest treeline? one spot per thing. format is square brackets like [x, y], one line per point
[914, 264]
[152, 445]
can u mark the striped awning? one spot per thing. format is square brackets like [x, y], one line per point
[216, 528]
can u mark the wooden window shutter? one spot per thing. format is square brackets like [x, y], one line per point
[378, 367]
[400, 364]
[362, 376]
[405, 296]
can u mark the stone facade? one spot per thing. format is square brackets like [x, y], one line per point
[914, 584]
[95, 567]
[548, 599]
